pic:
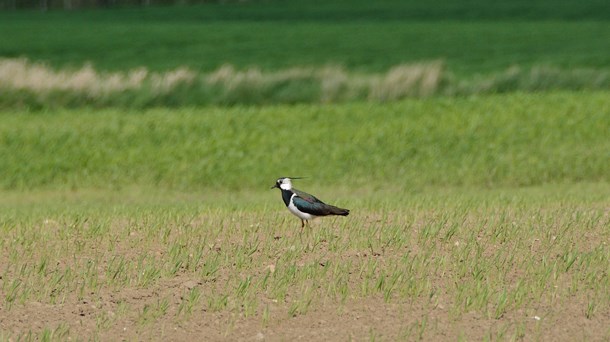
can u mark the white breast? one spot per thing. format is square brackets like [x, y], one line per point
[293, 209]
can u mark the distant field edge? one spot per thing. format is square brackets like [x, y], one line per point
[256, 10]
[593, 194]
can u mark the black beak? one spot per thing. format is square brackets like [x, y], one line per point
[274, 186]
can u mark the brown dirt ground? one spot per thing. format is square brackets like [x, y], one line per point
[356, 319]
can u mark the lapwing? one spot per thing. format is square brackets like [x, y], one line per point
[303, 205]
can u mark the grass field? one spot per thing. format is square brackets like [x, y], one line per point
[477, 218]
[470, 37]
[512, 140]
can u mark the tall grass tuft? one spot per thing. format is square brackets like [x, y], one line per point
[35, 85]
[402, 81]
[20, 74]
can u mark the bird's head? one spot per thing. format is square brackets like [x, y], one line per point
[284, 183]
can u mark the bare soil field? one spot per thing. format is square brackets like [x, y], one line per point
[506, 269]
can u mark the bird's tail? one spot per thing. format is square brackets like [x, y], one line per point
[339, 211]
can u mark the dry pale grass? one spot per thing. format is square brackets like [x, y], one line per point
[231, 78]
[422, 79]
[20, 74]
[325, 84]
[406, 80]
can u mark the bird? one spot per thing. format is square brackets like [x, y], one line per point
[303, 205]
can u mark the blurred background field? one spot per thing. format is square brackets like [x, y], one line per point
[470, 37]
[292, 52]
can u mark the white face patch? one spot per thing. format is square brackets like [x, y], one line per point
[285, 183]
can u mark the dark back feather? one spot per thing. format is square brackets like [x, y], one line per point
[312, 205]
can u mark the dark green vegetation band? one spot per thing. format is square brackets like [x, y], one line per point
[477, 36]
[334, 10]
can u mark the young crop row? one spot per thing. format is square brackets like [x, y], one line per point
[505, 256]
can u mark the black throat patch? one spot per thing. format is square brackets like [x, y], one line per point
[286, 194]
